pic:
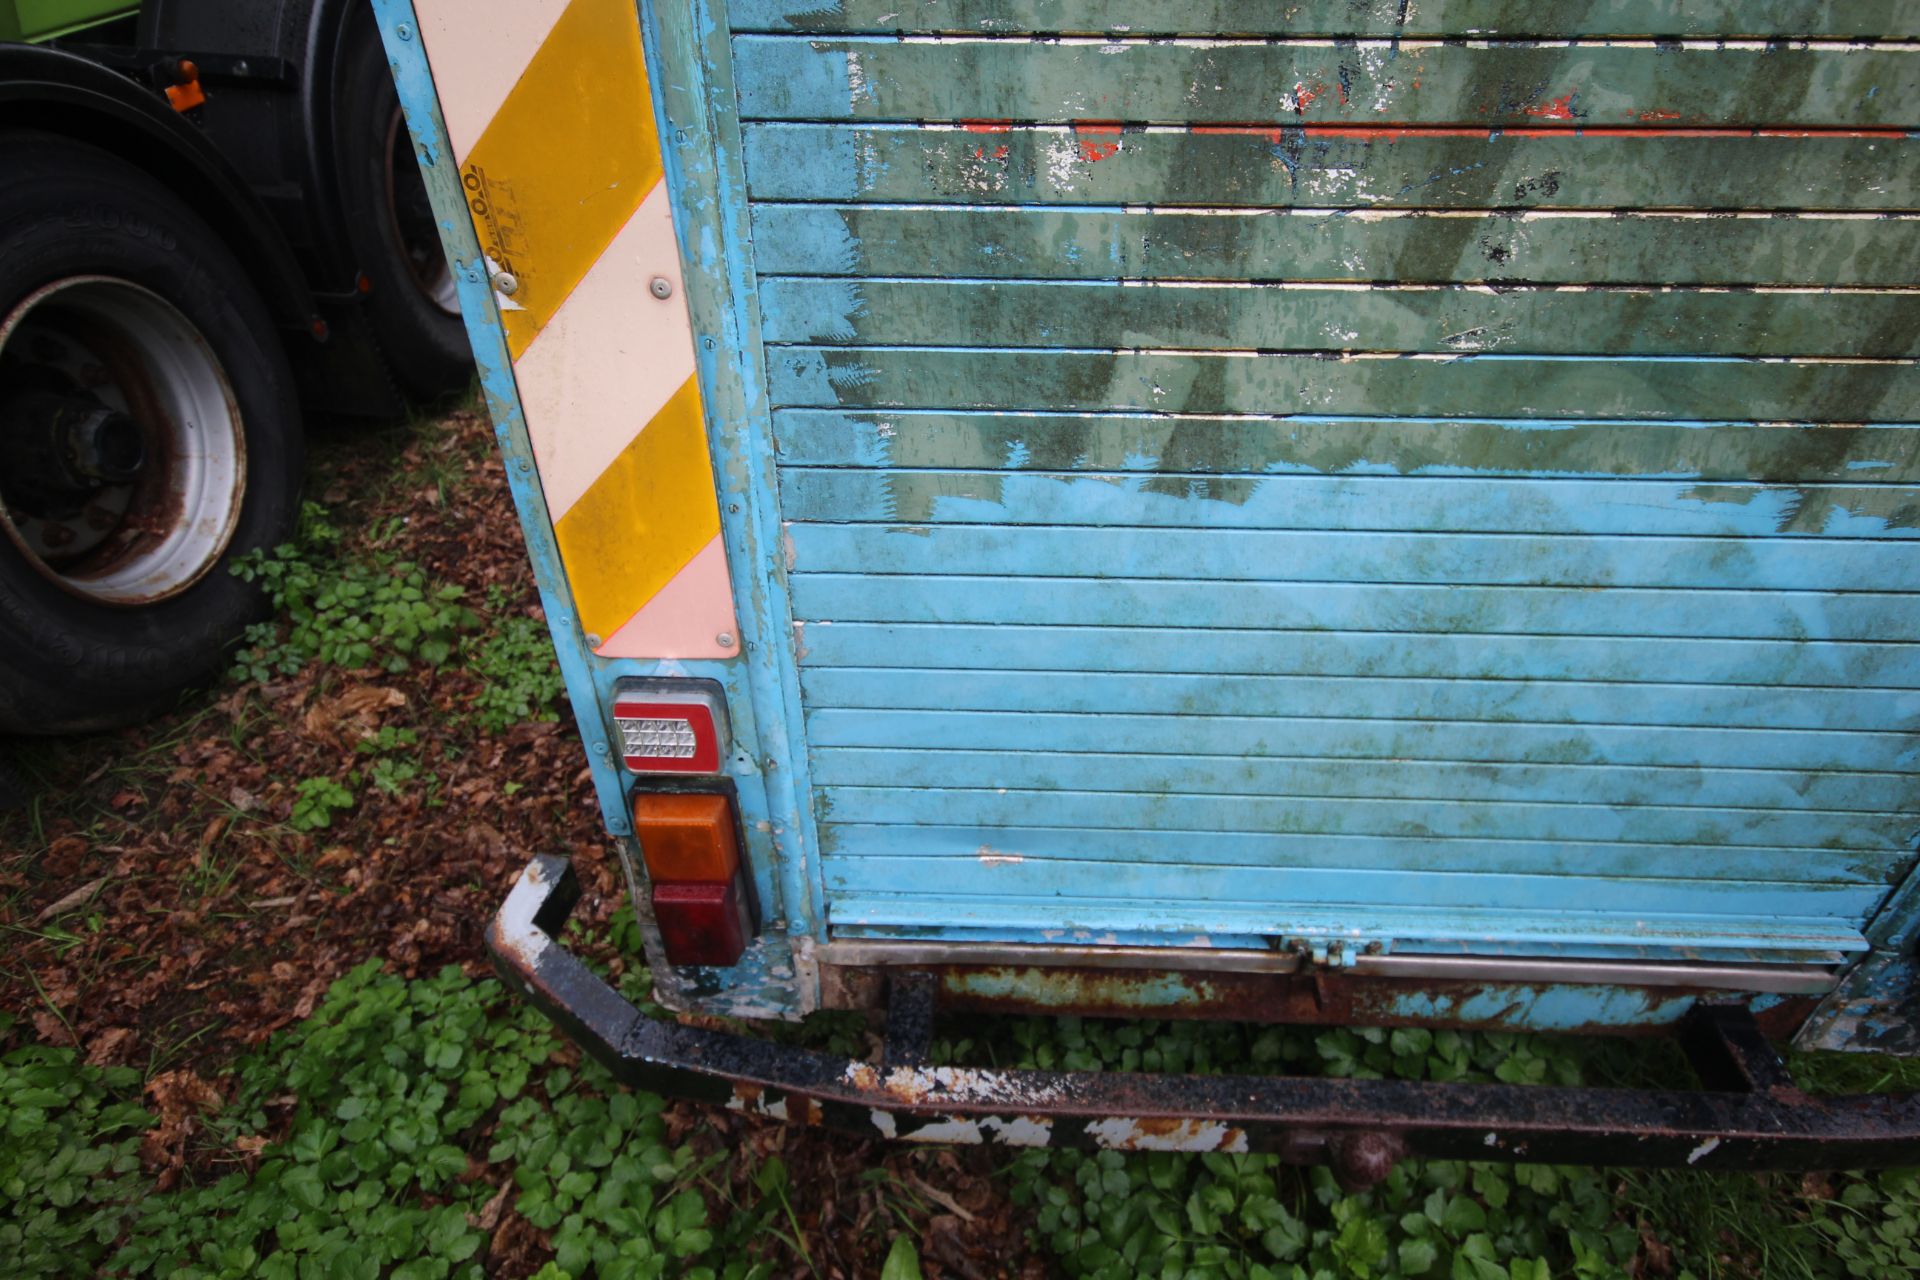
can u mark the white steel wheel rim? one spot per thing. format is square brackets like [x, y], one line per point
[136, 353]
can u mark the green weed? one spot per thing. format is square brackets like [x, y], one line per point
[381, 612]
[69, 1164]
[520, 681]
[386, 1167]
[316, 801]
[355, 613]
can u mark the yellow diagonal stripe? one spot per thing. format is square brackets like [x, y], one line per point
[565, 160]
[647, 515]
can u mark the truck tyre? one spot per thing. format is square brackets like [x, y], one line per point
[413, 305]
[149, 436]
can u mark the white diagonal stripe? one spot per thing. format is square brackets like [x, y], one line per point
[612, 355]
[477, 52]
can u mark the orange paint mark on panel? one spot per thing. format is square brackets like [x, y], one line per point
[1090, 133]
[987, 126]
[1561, 108]
[1272, 133]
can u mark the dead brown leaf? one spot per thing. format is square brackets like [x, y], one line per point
[112, 1047]
[68, 901]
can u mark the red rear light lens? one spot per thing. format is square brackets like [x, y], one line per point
[671, 726]
[701, 900]
[701, 923]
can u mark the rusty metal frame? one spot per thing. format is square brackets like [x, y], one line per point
[1775, 979]
[1749, 1115]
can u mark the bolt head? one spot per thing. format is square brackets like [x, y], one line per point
[660, 287]
[724, 639]
[506, 283]
[404, 31]
[593, 641]
[601, 748]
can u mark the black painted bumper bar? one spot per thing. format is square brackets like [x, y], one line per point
[1750, 1115]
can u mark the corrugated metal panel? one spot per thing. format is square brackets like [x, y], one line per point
[1347, 473]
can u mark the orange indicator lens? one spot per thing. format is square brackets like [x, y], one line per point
[686, 837]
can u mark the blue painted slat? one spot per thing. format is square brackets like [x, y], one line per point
[1432, 821]
[1363, 697]
[1438, 655]
[1249, 382]
[1610, 904]
[1370, 739]
[1232, 82]
[1288, 166]
[1407, 503]
[1735, 452]
[1312, 606]
[1416, 246]
[1238, 555]
[1517, 319]
[1407, 780]
[1507, 19]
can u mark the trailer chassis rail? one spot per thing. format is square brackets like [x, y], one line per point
[1749, 1115]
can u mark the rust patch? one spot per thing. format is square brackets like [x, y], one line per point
[1325, 998]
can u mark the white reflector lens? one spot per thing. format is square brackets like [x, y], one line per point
[664, 739]
[671, 726]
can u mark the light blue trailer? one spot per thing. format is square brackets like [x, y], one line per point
[1374, 513]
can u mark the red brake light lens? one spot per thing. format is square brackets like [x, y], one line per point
[671, 726]
[701, 923]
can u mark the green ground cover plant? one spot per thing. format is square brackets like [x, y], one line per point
[404, 1116]
[373, 609]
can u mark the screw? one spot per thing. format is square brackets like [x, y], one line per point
[660, 287]
[724, 639]
[708, 343]
[593, 641]
[404, 31]
[507, 283]
[525, 464]
[600, 748]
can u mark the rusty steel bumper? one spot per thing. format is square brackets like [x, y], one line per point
[1748, 1115]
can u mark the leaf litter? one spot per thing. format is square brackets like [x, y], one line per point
[178, 892]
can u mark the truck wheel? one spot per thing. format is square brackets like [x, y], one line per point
[414, 306]
[148, 436]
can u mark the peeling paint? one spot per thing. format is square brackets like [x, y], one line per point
[1119, 1133]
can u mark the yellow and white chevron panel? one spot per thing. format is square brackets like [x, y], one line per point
[547, 108]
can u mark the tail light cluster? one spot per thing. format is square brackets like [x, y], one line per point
[673, 733]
